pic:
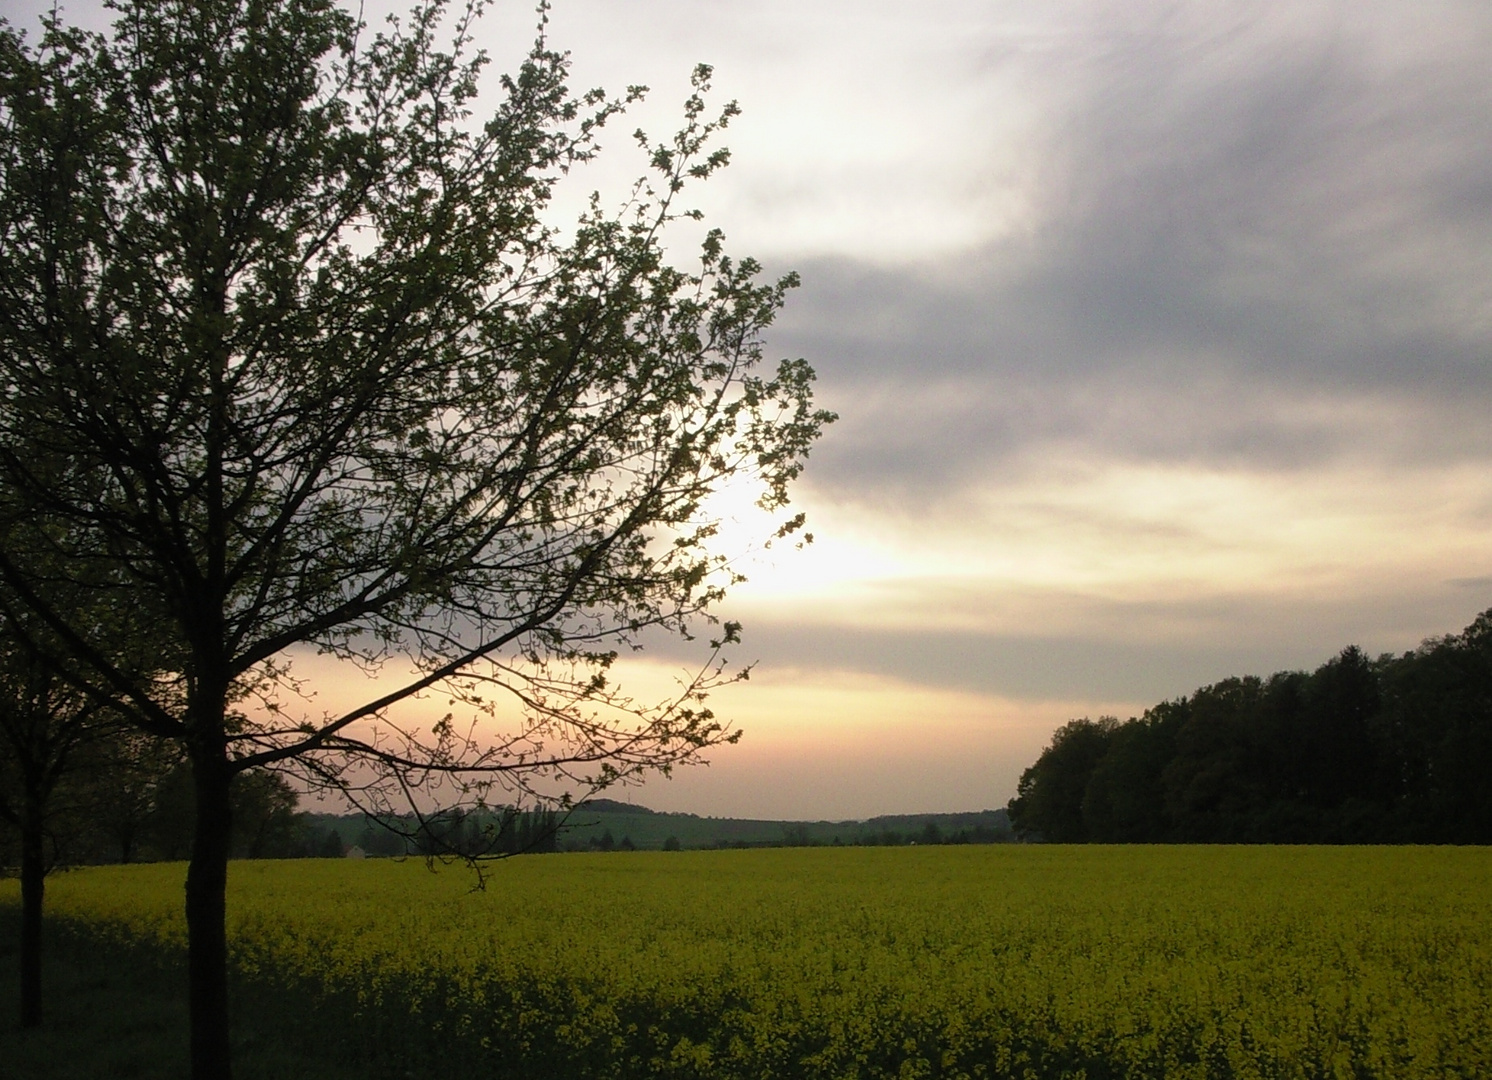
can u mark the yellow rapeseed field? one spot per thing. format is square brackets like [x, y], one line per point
[1001, 961]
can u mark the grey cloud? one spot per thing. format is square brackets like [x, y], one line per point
[1140, 652]
[905, 439]
[1259, 243]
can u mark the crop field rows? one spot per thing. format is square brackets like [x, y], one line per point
[1004, 961]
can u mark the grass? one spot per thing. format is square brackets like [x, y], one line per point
[99, 1019]
[107, 1018]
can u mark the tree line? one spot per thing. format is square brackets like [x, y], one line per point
[119, 811]
[127, 814]
[930, 836]
[1395, 749]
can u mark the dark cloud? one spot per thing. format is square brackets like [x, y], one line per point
[1096, 648]
[1138, 652]
[1260, 241]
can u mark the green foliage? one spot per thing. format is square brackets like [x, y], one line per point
[266, 821]
[131, 810]
[475, 835]
[994, 961]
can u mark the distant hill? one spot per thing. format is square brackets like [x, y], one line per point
[611, 806]
[646, 828]
[606, 824]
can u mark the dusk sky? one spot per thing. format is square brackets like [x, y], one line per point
[1161, 338]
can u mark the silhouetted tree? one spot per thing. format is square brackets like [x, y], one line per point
[1049, 795]
[1218, 779]
[263, 805]
[61, 748]
[329, 846]
[46, 728]
[122, 794]
[266, 822]
[535, 831]
[293, 360]
[1125, 798]
[1435, 727]
[378, 840]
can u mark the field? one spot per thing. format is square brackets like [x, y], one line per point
[992, 961]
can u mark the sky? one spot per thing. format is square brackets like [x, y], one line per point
[1160, 335]
[1160, 338]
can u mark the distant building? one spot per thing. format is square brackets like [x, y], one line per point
[355, 852]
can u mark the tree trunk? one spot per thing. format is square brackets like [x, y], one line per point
[33, 884]
[206, 908]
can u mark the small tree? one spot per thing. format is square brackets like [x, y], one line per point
[328, 846]
[128, 776]
[60, 752]
[45, 728]
[292, 360]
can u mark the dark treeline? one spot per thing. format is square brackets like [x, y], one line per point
[126, 817]
[1392, 750]
[931, 833]
[129, 814]
[467, 834]
[537, 831]
[478, 834]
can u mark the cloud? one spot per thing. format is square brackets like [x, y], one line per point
[1118, 649]
[1260, 240]
[1161, 335]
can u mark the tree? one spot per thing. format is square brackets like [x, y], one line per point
[328, 846]
[59, 750]
[128, 786]
[1435, 728]
[45, 726]
[1049, 795]
[291, 359]
[1124, 800]
[262, 804]
[1219, 779]
[1390, 750]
